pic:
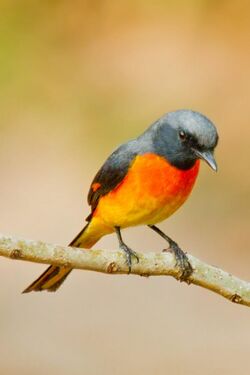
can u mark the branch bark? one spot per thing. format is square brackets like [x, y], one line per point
[113, 262]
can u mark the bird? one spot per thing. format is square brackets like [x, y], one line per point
[143, 182]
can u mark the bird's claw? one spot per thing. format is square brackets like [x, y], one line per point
[182, 261]
[129, 253]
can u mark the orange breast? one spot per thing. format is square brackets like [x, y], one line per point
[151, 191]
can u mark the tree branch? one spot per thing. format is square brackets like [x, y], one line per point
[113, 262]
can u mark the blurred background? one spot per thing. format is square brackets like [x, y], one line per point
[77, 78]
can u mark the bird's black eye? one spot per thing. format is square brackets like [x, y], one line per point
[182, 135]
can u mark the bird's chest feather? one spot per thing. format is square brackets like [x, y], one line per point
[152, 177]
[151, 191]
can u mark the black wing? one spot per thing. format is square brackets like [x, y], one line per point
[111, 173]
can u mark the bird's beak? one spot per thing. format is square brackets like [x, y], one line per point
[208, 157]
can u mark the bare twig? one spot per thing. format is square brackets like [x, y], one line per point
[113, 262]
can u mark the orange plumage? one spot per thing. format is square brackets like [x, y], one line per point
[151, 191]
[95, 186]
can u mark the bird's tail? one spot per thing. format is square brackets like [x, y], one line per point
[54, 276]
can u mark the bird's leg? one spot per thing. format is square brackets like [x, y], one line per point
[126, 249]
[181, 258]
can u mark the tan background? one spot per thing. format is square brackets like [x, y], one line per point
[76, 79]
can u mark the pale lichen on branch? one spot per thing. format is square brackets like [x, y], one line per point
[113, 262]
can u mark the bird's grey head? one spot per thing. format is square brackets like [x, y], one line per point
[183, 137]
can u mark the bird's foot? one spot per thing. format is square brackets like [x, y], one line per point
[129, 253]
[182, 261]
